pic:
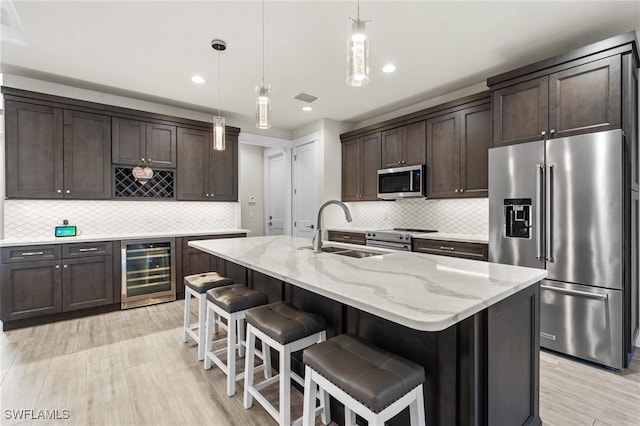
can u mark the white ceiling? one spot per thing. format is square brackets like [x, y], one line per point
[150, 49]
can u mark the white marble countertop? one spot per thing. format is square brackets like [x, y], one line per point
[30, 241]
[465, 238]
[420, 291]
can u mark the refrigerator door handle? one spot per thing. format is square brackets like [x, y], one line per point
[539, 183]
[575, 292]
[549, 213]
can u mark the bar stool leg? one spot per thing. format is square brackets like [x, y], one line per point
[209, 337]
[266, 359]
[202, 307]
[416, 409]
[248, 366]
[349, 416]
[308, 410]
[187, 315]
[241, 338]
[232, 341]
[285, 386]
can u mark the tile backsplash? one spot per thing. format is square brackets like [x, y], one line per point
[468, 216]
[37, 218]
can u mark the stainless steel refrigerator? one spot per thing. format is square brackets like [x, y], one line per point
[564, 205]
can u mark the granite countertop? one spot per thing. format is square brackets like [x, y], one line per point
[465, 238]
[420, 291]
[30, 241]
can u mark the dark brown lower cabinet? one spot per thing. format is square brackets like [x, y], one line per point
[31, 289]
[348, 237]
[81, 276]
[87, 282]
[464, 250]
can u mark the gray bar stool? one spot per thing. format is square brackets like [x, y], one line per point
[370, 382]
[231, 302]
[197, 286]
[285, 329]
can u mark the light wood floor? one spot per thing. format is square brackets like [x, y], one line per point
[131, 368]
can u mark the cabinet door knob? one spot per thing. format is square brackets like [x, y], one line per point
[206, 195]
[66, 266]
[212, 195]
[552, 131]
[57, 266]
[455, 190]
[462, 190]
[59, 191]
[68, 191]
[149, 160]
[543, 133]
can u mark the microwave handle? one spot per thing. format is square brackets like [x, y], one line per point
[411, 182]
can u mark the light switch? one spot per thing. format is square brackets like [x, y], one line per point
[252, 199]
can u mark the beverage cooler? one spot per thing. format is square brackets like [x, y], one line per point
[148, 272]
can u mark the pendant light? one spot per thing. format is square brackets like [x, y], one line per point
[218, 120]
[263, 100]
[358, 53]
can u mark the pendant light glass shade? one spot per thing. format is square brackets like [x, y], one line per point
[218, 120]
[218, 133]
[358, 55]
[263, 107]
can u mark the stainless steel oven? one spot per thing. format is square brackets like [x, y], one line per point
[148, 272]
[394, 239]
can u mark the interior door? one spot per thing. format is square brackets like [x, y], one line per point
[276, 202]
[305, 192]
[584, 209]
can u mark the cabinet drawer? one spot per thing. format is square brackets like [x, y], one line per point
[30, 253]
[475, 251]
[185, 240]
[97, 248]
[347, 237]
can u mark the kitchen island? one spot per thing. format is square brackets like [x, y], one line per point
[473, 325]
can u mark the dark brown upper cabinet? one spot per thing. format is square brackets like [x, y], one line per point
[580, 99]
[360, 165]
[404, 146]
[457, 150]
[203, 173]
[136, 140]
[57, 153]
[87, 155]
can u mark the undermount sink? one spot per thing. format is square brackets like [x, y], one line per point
[359, 254]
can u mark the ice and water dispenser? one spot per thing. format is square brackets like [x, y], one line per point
[517, 217]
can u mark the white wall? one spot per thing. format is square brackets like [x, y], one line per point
[251, 184]
[41, 86]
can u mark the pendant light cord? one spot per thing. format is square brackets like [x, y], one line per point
[262, 42]
[358, 10]
[219, 88]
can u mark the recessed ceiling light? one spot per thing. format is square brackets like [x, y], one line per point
[197, 79]
[306, 108]
[389, 68]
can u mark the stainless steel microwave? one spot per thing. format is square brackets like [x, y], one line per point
[401, 182]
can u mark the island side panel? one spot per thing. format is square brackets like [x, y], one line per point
[513, 349]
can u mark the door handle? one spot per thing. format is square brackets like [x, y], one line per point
[310, 226]
[33, 253]
[538, 223]
[270, 223]
[575, 292]
[549, 208]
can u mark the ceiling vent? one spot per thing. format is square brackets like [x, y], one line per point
[305, 97]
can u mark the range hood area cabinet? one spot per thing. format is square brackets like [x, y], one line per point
[205, 174]
[134, 140]
[404, 146]
[452, 139]
[56, 153]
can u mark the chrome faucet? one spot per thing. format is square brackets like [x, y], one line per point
[317, 238]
